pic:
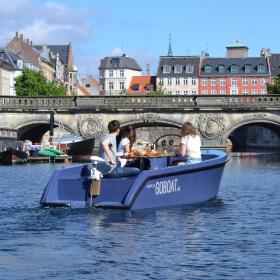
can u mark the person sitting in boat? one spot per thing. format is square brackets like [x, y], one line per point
[127, 139]
[108, 151]
[190, 143]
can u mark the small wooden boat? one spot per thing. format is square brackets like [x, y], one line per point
[12, 156]
[81, 151]
[164, 185]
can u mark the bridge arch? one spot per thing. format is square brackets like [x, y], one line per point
[237, 133]
[35, 129]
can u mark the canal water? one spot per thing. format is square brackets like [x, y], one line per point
[234, 236]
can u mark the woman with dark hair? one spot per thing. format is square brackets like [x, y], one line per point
[128, 138]
[190, 143]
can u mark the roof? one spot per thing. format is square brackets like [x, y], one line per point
[178, 60]
[143, 82]
[93, 81]
[83, 90]
[5, 65]
[236, 45]
[9, 58]
[62, 50]
[119, 62]
[274, 61]
[240, 62]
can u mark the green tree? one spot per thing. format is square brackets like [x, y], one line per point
[123, 92]
[160, 91]
[275, 87]
[32, 83]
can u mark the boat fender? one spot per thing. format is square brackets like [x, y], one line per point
[95, 182]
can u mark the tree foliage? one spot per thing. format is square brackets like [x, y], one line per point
[31, 83]
[160, 91]
[275, 87]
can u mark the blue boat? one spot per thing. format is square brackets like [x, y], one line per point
[162, 185]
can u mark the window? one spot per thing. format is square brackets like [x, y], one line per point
[234, 69]
[115, 62]
[245, 91]
[178, 69]
[87, 85]
[261, 68]
[160, 81]
[222, 91]
[169, 92]
[234, 91]
[111, 73]
[169, 82]
[149, 87]
[135, 87]
[254, 81]
[111, 85]
[189, 68]
[205, 92]
[254, 91]
[166, 68]
[245, 81]
[208, 69]
[177, 92]
[121, 73]
[247, 68]
[193, 91]
[234, 81]
[221, 68]
[185, 92]
[222, 81]
[101, 74]
[263, 81]
[204, 81]
[213, 82]
[263, 91]
[213, 91]
[185, 81]
[121, 85]
[177, 81]
[193, 81]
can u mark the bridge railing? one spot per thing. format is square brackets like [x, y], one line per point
[140, 102]
[14, 102]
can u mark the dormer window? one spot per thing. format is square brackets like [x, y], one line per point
[178, 69]
[115, 62]
[135, 87]
[221, 68]
[234, 69]
[149, 87]
[261, 68]
[166, 69]
[247, 68]
[189, 68]
[208, 69]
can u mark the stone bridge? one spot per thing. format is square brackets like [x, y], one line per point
[217, 118]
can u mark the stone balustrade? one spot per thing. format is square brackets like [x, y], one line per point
[138, 102]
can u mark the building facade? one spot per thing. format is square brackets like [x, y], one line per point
[115, 74]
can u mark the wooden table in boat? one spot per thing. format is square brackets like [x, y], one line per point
[143, 157]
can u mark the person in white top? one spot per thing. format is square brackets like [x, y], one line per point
[190, 143]
[128, 137]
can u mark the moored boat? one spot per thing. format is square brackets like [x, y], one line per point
[81, 151]
[12, 156]
[165, 185]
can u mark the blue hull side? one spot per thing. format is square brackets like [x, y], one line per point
[166, 186]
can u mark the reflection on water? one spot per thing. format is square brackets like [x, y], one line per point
[225, 238]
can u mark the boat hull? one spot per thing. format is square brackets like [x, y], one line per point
[81, 151]
[12, 156]
[165, 186]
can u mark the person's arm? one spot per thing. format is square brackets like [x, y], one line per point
[126, 149]
[108, 151]
[183, 147]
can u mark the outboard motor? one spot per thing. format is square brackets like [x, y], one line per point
[95, 182]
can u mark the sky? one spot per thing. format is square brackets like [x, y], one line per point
[140, 29]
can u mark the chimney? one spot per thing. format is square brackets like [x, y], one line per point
[148, 72]
[21, 37]
[124, 55]
[31, 43]
[17, 34]
[27, 41]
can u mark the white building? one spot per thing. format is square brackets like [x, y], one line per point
[115, 74]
